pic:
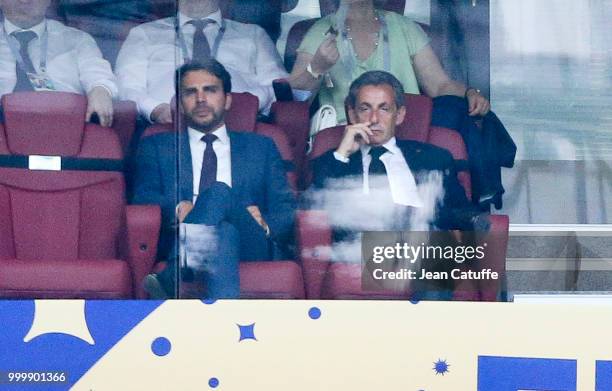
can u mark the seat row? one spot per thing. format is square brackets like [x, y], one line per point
[66, 229]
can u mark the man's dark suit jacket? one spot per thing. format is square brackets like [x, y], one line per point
[164, 176]
[455, 211]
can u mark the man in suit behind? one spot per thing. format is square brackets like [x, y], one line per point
[207, 174]
[370, 153]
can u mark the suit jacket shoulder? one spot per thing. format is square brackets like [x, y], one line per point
[254, 145]
[422, 156]
[255, 140]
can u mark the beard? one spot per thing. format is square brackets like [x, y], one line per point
[206, 126]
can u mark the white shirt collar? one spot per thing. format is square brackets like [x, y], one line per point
[221, 133]
[39, 29]
[390, 145]
[216, 16]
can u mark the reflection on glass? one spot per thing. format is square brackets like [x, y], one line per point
[559, 259]
[551, 77]
[551, 84]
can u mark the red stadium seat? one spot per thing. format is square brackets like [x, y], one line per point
[67, 233]
[281, 140]
[124, 122]
[342, 280]
[271, 280]
[293, 118]
[242, 114]
[258, 280]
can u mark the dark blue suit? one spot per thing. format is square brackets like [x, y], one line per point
[164, 177]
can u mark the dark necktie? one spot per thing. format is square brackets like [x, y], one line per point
[201, 47]
[208, 174]
[23, 82]
[376, 165]
[377, 173]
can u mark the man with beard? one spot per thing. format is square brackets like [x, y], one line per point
[209, 175]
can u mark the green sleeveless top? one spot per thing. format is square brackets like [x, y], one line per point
[406, 38]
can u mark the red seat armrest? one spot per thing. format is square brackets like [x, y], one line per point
[143, 225]
[497, 246]
[496, 242]
[314, 244]
[294, 119]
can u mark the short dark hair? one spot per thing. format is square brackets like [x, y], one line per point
[211, 66]
[375, 78]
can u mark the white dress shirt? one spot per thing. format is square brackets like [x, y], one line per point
[74, 61]
[401, 181]
[150, 55]
[221, 146]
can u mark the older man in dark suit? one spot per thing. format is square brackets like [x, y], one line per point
[370, 153]
[209, 175]
[383, 179]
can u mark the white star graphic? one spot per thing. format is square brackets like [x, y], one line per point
[60, 316]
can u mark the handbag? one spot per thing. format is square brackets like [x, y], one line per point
[324, 118]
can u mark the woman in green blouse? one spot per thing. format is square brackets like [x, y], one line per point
[358, 38]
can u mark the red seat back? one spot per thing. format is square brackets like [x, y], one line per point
[54, 128]
[293, 118]
[284, 147]
[57, 214]
[242, 115]
[418, 117]
[124, 122]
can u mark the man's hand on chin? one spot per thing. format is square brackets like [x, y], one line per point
[354, 136]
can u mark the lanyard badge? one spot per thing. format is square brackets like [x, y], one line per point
[40, 81]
